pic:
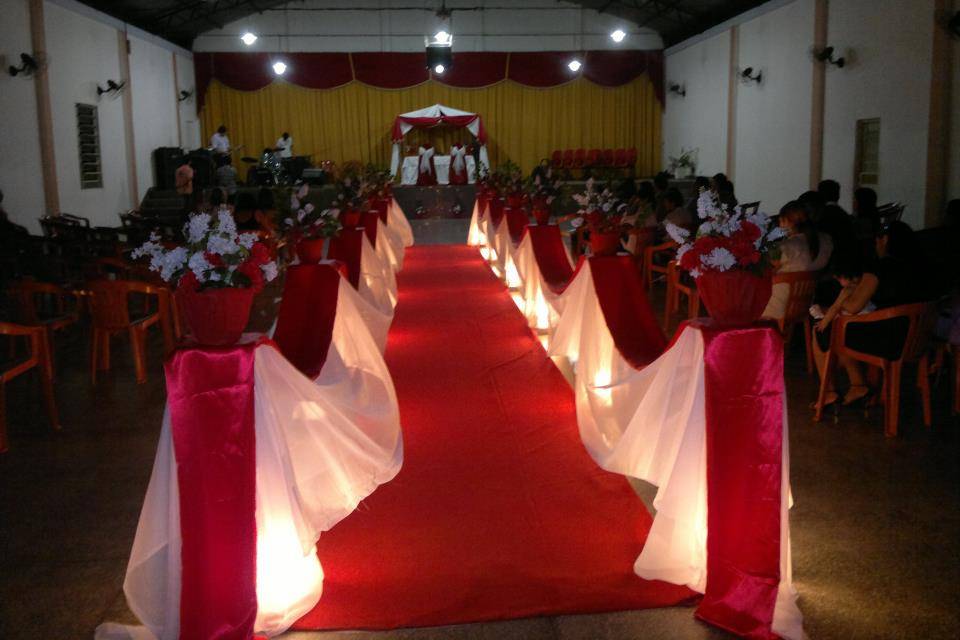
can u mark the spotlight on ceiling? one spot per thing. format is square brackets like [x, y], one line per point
[279, 68]
[618, 35]
[248, 38]
[27, 65]
[442, 37]
[439, 69]
[574, 65]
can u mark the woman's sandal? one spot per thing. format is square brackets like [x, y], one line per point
[854, 395]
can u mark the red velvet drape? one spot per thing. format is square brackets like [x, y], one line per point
[306, 315]
[551, 256]
[251, 71]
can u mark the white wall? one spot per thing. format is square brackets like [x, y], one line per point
[772, 152]
[189, 121]
[84, 49]
[80, 53]
[526, 25]
[888, 45]
[20, 177]
[154, 106]
[699, 119]
[888, 78]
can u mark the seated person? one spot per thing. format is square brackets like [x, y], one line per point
[804, 249]
[675, 212]
[9, 229]
[893, 279]
[700, 184]
[226, 176]
[640, 219]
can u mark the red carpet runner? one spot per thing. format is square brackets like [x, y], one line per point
[498, 512]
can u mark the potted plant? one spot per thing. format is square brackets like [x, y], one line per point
[216, 273]
[542, 193]
[602, 212]
[684, 165]
[350, 200]
[729, 257]
[306, 228]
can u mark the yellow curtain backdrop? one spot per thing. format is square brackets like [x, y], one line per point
[523, 124]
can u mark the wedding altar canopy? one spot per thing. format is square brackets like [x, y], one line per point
[434, 116]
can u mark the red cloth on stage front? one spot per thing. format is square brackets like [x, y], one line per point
[551, 256]
[348, 249]
[306, 315]
[744, 413]
[626, 309]
[517, 221]
[211, 401]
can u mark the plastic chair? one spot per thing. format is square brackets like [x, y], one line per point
[802, 285]
[579, 158]
[677, 285]
[110, 315]
[920, 317]
[593, 157]
[650, 265]
[568, 159]
[620, 158]
[44, 305]
[606, 157]
[556, 159]
[37, 358]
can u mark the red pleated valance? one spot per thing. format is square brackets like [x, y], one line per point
[252, 71]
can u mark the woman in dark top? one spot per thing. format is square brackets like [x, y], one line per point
[892, 279]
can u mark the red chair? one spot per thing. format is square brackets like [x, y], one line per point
[593, 157]
[802, 285]
[38, 358]
[568, 159]
[680, 283]
[579, 158]
[607, 157]
[631, 157]
[620, 158]
[556, 159]
[110, 315]
[46, 305]
[656, 259]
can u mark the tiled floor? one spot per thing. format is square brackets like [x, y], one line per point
[876, 524]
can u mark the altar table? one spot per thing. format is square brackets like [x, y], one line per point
[411, 165]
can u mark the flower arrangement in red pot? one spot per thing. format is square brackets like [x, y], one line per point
[307, 228]
[351, 198]
[542, 193]
[730, 258]
[602, 212]
[216, 274]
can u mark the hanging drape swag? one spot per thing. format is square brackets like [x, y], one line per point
[251, 71]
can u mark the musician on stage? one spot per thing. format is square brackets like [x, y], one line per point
[219, 142]
[284, 146]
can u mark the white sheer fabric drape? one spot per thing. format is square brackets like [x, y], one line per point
[321, 445]
[651, 424]
[541, 306]
[378, 283]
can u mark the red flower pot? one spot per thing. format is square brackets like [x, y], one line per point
[541, 214]
[310, 250]
[734, 297]
[350, 218]
[604, 243]
[216, 316]
[515, 200]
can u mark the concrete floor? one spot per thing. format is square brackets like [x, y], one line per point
[876, 522]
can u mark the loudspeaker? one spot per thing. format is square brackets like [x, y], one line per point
[165, 163]
[439, 54]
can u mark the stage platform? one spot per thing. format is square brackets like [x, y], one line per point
[440, 201]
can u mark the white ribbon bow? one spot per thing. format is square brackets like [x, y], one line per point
[425, 155]
[458, 154]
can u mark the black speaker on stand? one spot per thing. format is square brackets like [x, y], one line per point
[165, 163]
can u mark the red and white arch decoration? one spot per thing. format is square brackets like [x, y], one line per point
[436, 116]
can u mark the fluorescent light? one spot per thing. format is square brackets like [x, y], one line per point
[618, 35]
[439, 69]
[574, 65]
[279, 68]
[248, 38]
[442, 37]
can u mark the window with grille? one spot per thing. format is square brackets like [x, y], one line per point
[88, 134]
[867, 170]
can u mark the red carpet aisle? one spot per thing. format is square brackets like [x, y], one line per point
[498, 511]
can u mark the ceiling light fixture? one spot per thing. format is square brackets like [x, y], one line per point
[248, 38]
[442, 37]
[618, 35]
[439, 69]
[279, 68]
[574, 65]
